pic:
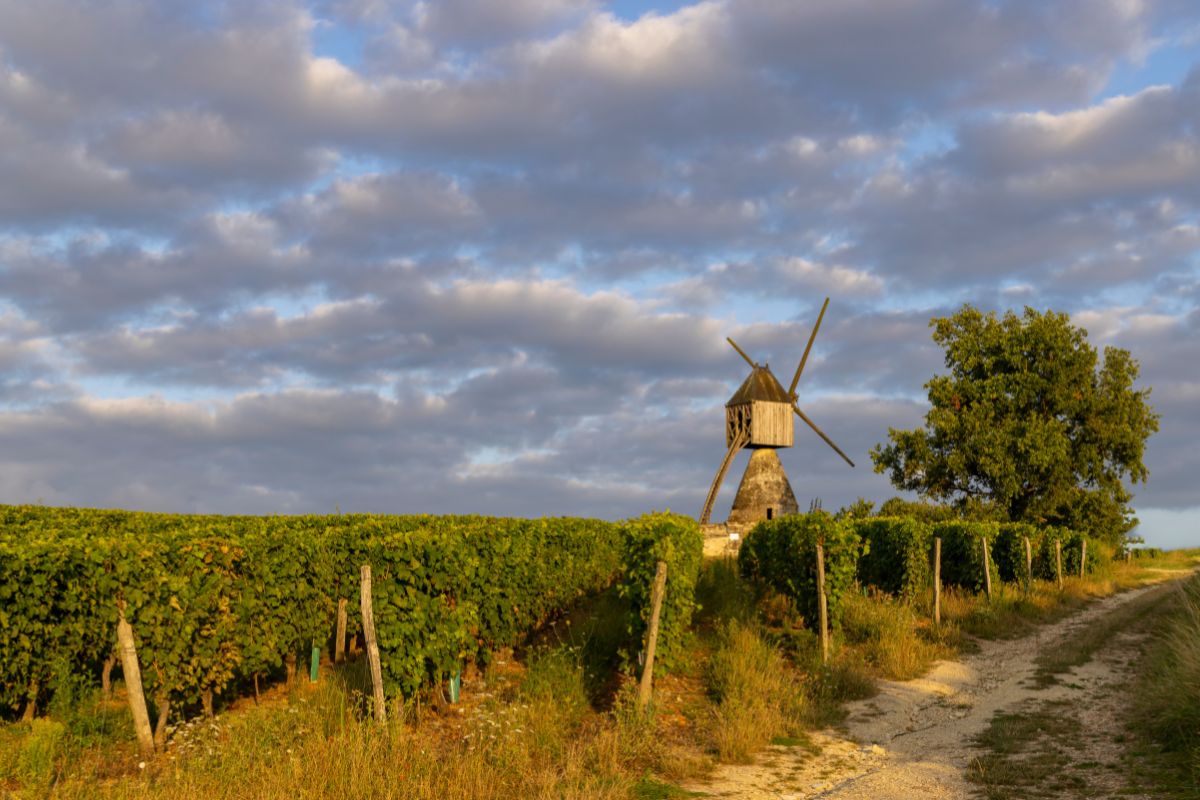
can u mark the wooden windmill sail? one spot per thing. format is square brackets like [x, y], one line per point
[759, 417]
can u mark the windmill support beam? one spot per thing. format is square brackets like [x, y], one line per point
[737, 444]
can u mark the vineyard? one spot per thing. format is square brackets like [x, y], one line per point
[215, 603]
[895, 555]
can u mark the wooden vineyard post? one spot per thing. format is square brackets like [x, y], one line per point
[339, 638]
[368, 621]
[656, 597]
[822, 607]
[1058, 561]
[937, 581]
[1082, 558]
[133, 683]
[987, 568]
[1028, 566]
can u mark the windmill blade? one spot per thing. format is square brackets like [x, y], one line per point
[821, 433]
[804, 358]
[742, 352]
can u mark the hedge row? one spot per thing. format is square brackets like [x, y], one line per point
[651, 538]
[213, 600]
[782, 553]
[895, 554]
[896, 557]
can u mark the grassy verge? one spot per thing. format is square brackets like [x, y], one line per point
[1166, 701]
[1025, 756]
[555, 720]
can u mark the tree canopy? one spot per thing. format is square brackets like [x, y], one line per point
[1028, 423]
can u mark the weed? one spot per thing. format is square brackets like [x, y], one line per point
[1166, 696]
[755, 692]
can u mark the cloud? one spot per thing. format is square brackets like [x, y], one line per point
[463, 326]
[482, 256]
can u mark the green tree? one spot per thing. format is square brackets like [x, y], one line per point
[1028, 422]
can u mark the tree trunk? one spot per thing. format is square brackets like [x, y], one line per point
[106, 675]
[206, 700]
[164, 711]
[31, 702]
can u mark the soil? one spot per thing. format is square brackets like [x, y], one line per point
[916, 739]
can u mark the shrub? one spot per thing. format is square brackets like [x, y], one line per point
[782, 553]
[1008, 550]
[1097, 553]
[962, 554]
[675, 539]
[896, 557]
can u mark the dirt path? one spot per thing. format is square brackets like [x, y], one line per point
[915, 739]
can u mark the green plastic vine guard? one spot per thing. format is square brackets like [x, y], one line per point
[312, 666]
[455, 686]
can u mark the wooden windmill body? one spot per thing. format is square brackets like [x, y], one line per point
[759, 417]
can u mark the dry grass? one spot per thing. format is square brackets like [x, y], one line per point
[543, 743]
[890, 636]
[755, 693]
[1167, 694]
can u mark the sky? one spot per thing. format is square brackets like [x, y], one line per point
[472, 256]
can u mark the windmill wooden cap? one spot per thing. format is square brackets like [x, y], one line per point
[761, 386]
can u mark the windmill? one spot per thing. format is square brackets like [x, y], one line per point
[759, 417]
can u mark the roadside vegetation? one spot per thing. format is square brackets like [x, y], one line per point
[555, 716]
[1039, 751]
[1166, 696]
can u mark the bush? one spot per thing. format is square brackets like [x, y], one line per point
[896, 558]
[1099, 553]
[782, 553]
[1008, 550]
[675, 539]
[962, 554]
[1072, 548]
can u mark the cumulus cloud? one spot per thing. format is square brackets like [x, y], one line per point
[482, 256]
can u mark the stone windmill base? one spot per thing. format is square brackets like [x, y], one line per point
[764, 493]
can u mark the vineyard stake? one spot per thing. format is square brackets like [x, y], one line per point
[1082, 557]
[987, 568]
[1028, 565]
[339, 638]
[656, 598]
[133, 683]
[822, 608]
[368, 620]
[937, 581]
[1058, 561]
